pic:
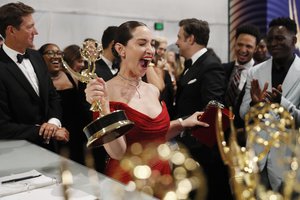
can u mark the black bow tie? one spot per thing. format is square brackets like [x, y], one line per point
[115, 65]
[20, 57]
[188, 63]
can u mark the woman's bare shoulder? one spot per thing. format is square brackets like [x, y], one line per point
[152, 88]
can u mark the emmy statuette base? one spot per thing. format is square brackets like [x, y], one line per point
[107, 128]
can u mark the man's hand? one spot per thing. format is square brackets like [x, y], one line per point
[258, 95]
[275, 95]
[47, 130]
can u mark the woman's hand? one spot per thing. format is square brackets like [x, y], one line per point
[193, 120]
[62, 134]
[96, 91]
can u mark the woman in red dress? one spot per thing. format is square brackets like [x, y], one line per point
[139, 100]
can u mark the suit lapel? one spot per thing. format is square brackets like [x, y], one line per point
[265, 75]
[194, 70]
[292, 78]
[103, 71]
[39, 74]
[17, 73]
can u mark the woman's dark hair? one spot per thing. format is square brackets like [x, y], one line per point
[124, 34]
[72, 53]
[44, 47]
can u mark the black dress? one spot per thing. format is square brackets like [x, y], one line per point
[74, 119]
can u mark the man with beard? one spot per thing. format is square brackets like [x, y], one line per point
[246, 40]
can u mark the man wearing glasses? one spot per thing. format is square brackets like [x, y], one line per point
[29, 105]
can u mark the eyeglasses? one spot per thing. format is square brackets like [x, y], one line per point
[51, 53]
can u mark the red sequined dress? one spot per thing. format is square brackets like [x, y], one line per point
[146, 131]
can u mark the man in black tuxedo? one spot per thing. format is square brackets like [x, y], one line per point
[202, 81]
[1, 40]
[29, 105]
[105, 67]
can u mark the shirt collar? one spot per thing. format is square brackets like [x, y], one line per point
[108, 62]
[10, 52]
[198, 54]
[246, 65]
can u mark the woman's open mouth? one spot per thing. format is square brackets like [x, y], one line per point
[145, 61]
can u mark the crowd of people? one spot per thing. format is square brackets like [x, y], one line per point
[163, 91]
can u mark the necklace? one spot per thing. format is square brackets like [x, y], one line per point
[136, 86]
[58, 76]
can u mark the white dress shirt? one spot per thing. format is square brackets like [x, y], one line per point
[25, 66]
[196, 56]
[243, 78]
[109, 64]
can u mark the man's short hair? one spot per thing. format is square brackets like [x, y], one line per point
[108, 36]
[249, 29]
[196, 27]
[11, 14]
[287, 22]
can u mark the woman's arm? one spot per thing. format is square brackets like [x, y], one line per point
[155, 76]
[178, 125]
[116, 148]
[96, 91]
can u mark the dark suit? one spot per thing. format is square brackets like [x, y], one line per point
[102, 70]
[238, 121]
[204, 81]
[21, 109]
[228, 67]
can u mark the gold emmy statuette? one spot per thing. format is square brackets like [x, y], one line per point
[270, 127]
[240, 161]
[106, 127]
[267, 126]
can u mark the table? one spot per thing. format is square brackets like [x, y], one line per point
[22, 156]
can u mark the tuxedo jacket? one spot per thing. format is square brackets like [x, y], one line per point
[290, 100]
[203, 81]
[21, 109]
[102, 70]
[228, 67]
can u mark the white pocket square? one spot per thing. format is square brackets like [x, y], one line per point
[192, 81]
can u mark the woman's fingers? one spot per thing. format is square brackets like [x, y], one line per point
[95, 90]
